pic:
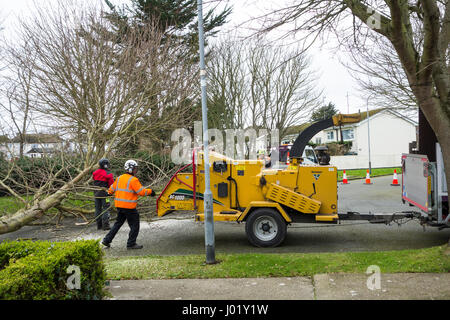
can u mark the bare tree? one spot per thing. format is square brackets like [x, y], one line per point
[418, 32]
[17, 93]
[94, 91]
[228, 88]
[263, 86]
[380, 74]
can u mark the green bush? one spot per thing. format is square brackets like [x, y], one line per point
[338, 148]
[38, 270]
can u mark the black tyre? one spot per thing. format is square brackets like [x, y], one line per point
[265, 227]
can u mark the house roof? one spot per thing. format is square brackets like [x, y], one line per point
[297, 129]
[39, 138]
[395, 113]
[371, 113]
[41, 150]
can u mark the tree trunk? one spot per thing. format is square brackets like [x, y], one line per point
[439, 121]
[427, 138]
[27, 215]
[21, 148]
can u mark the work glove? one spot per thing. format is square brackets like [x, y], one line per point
[153, 193]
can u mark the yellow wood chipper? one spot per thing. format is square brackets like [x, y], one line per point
[267, 200]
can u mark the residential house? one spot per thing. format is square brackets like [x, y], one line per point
[40, 152]
[4, 140]
[293, 132]
[390, 136]
[34, 145]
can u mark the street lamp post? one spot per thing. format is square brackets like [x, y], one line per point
[208, 198]
[368, 132]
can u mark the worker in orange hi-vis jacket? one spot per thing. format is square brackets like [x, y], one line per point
[126, 190]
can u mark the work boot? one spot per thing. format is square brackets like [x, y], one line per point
[136, 246]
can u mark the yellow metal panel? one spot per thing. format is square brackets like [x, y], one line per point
[177, 195]
[326, 217]
[245, 173]
[219, 217]
[292, 199]
[286, 178]
[319, 183]
[242, 171]
[341, 119]
[429, 185]
[263, 204]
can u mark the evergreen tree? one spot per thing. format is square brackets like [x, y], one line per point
[175, 18]
[324, 112]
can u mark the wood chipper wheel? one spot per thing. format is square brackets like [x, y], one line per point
[265, 227]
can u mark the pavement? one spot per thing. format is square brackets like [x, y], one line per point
[398, 286]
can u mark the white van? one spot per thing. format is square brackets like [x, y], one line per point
[309, 157]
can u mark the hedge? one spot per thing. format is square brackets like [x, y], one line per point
[37, 270]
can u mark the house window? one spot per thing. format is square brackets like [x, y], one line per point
[318, 140]
[347, 134]
[330, 135]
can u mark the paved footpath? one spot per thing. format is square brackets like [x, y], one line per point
[399, 286]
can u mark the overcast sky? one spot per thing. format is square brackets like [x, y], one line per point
[334, 78]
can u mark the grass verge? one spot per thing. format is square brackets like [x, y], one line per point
[361, 173]
[433, 260]
[10, 205]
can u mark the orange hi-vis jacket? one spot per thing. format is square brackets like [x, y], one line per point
[126, 190]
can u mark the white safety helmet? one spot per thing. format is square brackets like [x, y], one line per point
[130, 165]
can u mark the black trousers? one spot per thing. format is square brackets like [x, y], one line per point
[132, 217]
[100, 206]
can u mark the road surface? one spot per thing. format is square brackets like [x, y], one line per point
[181, 237]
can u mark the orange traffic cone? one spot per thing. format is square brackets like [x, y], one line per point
[395, 179]
[368, 178]
[344, 179]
